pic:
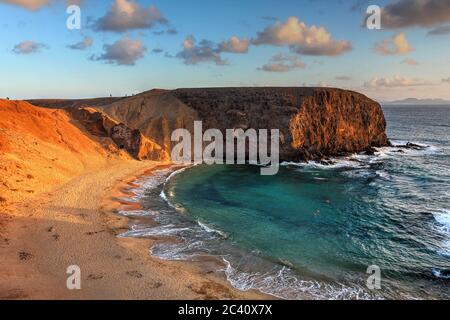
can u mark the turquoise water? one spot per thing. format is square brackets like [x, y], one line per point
[312, 231]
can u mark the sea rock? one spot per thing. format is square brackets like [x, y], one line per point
[414, 146]
[370, 151]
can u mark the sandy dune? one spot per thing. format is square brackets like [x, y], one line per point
[57, 193]
[42, 148]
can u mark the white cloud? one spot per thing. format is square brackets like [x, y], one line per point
[302, 39]
[207, 51]
[343, 78]
[28, 47]
[235, 45]
[283, 63]
[35, 5]
[410, 62]
[27, 4]
[440, 30]
[74, 2]
[82, 45]
[394, 82]
[129, 15]
[397, 45]
[203, 52]
[125, 51]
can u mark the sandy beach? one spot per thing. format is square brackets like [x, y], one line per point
[75, 224]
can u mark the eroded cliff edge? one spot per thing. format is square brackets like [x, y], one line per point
[314, 123]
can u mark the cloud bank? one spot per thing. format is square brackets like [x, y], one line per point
[394, 82]
[202, 52]
[302, 39]
[206, 51]
[234, 45]
[398, 45]
[82, 45]
[28, 47]
[34, 5]
[410, 62]
[421, 13]
[124, 51]
[283, 63]
[127, 15]
[27, 4]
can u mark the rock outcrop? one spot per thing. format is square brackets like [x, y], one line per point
[155, 113]
[314, 122]
[131, 140]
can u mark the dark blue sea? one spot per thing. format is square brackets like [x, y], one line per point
[312, 231]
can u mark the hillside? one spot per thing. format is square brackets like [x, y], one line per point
[155, 113]
[313, 122]
[41, 148]
[72, 103]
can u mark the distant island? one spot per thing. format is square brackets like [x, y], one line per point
[415, 101]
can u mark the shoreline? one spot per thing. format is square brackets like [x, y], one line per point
[207, 266]
[76, 224]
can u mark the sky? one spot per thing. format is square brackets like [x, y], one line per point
[124, 47]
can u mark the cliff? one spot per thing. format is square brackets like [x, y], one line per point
[154, 113]
[41, 148]
[131, 140]
[45, 147]
[314, 122]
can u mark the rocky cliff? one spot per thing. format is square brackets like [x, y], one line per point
[41, 148]
[131, 140]
[314, 122]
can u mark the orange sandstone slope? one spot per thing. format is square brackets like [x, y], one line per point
[42, 148]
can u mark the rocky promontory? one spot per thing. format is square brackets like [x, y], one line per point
[314, 122]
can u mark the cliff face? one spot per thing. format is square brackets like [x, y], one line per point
[154, 113]
[131, 140]
[313, 122]
[41, 148]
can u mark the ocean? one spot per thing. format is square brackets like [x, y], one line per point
[313, 231]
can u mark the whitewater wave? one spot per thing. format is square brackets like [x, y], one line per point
[443, 226]
[210, 229]
[443, 219]
[197, 238]
[441, 273]
[184, 251]
[146, 183]
[166, 180]
[161, 230]
[336, 163]
[361, 161]
[283, 283]
[138, 213]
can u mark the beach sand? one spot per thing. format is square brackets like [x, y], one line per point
[75, 224]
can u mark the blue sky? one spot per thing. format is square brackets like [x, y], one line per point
[401, 60]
